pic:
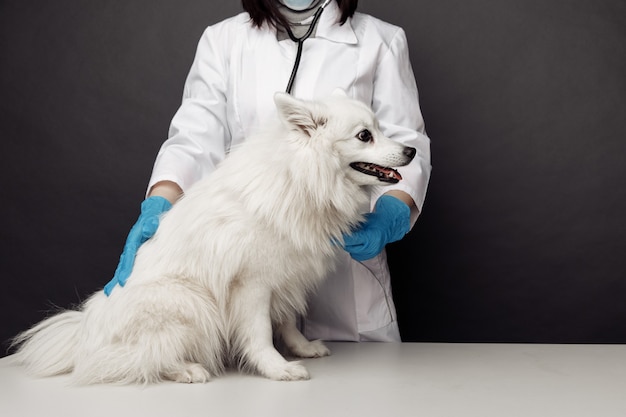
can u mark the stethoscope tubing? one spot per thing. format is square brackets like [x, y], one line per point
[300, 42]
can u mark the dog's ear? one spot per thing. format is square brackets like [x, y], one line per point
[339, 92]
[299, 114]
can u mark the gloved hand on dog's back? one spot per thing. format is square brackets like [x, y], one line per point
[145, 227]
[389, 222]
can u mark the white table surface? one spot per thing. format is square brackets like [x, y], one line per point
[367, 379]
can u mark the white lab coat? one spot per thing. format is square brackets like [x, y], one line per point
[229, 93]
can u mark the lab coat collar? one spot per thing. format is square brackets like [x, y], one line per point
[329, 28]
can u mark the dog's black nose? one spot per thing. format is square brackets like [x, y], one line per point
[410, 152]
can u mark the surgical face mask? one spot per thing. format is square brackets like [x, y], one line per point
[297, 4]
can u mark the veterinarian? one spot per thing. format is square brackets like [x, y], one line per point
[309, 48]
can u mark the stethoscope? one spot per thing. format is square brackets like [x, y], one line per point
[300, 41]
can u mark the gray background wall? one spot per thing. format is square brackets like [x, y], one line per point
[523, 234]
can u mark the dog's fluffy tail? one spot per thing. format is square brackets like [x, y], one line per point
[49, 347]
[176, 337]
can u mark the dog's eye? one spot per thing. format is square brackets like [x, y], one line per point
[364, 135]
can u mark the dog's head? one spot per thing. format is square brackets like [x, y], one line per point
[350, 129]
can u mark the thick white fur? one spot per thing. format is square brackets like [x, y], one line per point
[232, 262]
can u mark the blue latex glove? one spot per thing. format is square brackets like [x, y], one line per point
[389, 222]
[145, 227]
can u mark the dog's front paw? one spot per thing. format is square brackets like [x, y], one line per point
[290, 371]
[314, 349]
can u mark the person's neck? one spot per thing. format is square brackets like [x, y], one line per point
[299, 20]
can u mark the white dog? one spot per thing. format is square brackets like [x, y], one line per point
[233, 261]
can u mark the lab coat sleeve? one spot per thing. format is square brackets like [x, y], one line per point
[198, 136]
[396, 104]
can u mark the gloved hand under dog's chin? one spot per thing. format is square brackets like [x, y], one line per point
[389, 222]
[145, 227]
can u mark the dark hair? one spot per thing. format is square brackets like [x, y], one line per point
[262, 11]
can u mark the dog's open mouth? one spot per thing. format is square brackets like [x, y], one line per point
[384, 174]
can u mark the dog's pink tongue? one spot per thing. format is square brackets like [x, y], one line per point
[391, 173]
